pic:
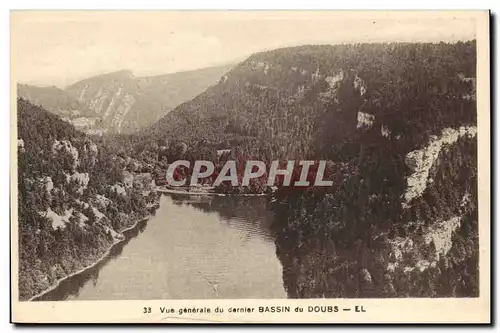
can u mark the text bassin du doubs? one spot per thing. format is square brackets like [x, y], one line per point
[258, 309]
[253, 169]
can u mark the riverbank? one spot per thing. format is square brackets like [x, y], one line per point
[206, 193]
[99, 260]
[166, 258]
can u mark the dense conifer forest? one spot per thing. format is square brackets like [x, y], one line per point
[396, 122]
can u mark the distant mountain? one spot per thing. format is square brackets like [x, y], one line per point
[397, 123]
[119, 102]
[126, 103]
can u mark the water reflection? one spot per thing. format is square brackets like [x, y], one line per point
[195, 247]
[70, 287]
[247, 214]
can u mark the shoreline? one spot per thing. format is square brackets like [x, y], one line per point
[101, 258]
[133, 226]
[212, 194]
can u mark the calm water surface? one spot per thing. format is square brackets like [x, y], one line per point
[193, 248]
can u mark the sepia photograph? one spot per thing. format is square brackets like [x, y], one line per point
[250, 166]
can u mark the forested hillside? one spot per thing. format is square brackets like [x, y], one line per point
[397, 123]
[74, 198]
[278, 94]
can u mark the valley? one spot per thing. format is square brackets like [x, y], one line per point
[395, 123]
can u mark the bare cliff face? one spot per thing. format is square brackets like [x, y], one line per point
[109, 96]
[125, 103]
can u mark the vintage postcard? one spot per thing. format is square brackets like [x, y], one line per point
[250, 167]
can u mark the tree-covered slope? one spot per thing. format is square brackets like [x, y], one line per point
[292, 93]
[397, 123]
[74, 199]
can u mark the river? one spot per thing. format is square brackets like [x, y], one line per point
[193, 248]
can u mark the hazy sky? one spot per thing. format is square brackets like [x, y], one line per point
[59, 48]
